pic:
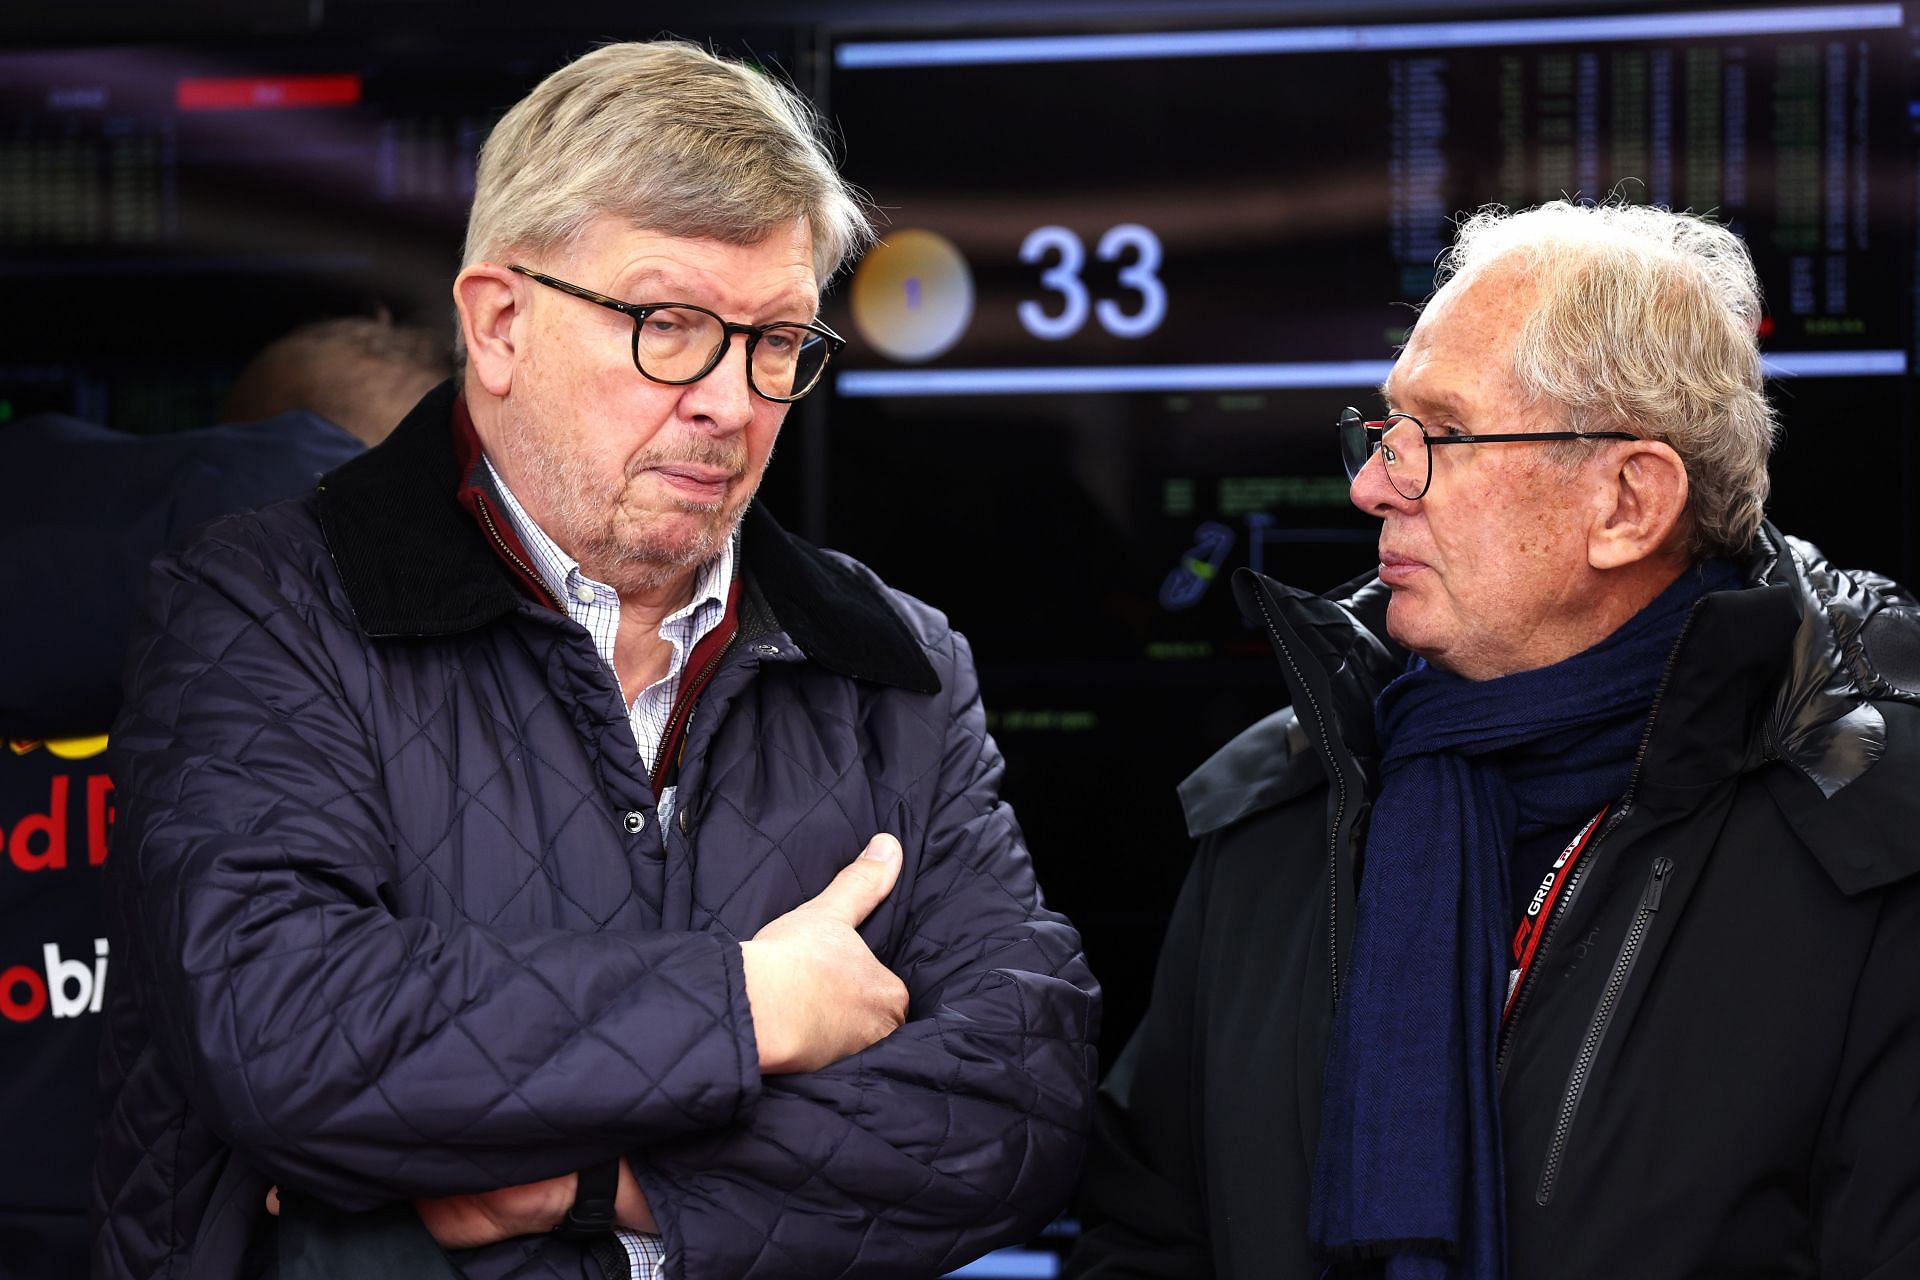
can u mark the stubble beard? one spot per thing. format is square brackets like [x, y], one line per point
[618, 538]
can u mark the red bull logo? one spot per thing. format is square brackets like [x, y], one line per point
[40, 841]
[64, 748]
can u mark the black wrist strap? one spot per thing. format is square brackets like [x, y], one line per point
[592, 1211]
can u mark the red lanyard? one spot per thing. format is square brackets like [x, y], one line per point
[1526, 939]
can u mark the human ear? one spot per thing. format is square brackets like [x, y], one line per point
[1641, 505]
[487, 297]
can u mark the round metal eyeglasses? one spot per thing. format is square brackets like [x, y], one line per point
[1404, 445]
[676, 343]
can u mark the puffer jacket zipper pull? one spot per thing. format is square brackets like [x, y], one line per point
[1656, 884]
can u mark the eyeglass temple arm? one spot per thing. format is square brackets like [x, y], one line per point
[1521, 436]
[579, 291]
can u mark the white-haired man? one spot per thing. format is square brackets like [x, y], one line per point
[1567, 923]
[525, 841]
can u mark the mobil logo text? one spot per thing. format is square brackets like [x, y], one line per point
[66, 987]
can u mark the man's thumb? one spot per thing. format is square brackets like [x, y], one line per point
[863, 883]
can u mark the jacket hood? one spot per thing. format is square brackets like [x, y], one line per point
[1845, 714]
[1798, 664]
[1857, 638]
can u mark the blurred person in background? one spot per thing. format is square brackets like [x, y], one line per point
[83, 510]
[357, 372]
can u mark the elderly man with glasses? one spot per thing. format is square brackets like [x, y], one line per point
[1567, 924]
[532, 859]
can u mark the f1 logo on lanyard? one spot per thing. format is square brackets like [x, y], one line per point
[1526, 939]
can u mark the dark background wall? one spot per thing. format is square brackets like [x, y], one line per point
[1252, 215]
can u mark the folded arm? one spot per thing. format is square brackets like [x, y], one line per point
[958, 1132]
[355, 1054]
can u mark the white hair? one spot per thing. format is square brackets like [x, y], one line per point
[1647, 322]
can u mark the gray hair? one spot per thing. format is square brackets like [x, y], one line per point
[671, 138]
[1646, 321]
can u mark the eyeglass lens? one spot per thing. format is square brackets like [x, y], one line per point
[676, 344]
[1400, 441]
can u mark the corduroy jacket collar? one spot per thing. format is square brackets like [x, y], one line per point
[414, 563]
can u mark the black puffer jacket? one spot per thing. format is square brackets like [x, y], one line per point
[1714, 1068]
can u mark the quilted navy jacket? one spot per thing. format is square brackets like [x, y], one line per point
[395, 917]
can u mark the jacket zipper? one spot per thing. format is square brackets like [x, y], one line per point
[1340, 802]
[1597, 1029]
[1623, 963]
[1579, 876]
[486, 516]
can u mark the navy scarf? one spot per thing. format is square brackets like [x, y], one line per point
[1409, 1163]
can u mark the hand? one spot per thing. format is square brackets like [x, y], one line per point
[816, 992]
[488, 1217]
